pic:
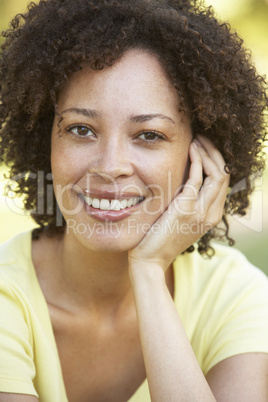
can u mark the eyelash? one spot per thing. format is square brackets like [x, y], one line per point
[77, 126]
[158, 136]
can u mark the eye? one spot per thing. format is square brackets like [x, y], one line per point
[80, 130]
[151, 136]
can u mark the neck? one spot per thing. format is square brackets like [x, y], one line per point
[75, 278]
[85, 277]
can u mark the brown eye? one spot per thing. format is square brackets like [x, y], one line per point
[81, 131]
[151, 136]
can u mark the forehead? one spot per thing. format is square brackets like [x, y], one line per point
[137, 79]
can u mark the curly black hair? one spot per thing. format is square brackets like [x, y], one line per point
[217, 83]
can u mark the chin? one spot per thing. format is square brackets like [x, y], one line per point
[106, 238]
[110, 245]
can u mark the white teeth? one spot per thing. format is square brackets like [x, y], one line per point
[113, 205]
[130, 202]
[96, 203]
[88, 200]
[123, 204]
[105, 205]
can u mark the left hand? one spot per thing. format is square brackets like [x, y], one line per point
[194, 211]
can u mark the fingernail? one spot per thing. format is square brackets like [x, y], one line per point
[197, 142]
[195, 146]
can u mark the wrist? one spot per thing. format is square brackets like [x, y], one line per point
[148, 273]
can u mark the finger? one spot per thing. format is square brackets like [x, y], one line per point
[196, 169]
[187, 198]
[214, 157]
[185, 201]
[214, 190]
[214, 184]
[213, 165]
[212, 151]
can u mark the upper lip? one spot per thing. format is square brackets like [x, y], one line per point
[110, 195]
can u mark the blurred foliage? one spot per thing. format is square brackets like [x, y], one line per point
[250, 19]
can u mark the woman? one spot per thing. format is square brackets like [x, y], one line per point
[145, 113]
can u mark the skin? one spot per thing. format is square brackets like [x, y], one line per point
[108, 293]
[131, 163]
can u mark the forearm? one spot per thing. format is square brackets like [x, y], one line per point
[172, 370]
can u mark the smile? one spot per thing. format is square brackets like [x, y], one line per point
[111, 205]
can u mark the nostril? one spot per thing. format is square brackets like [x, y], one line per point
[100, 172]
[109, 172]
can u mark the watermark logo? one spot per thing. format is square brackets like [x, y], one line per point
[131, 226]
[162, 197]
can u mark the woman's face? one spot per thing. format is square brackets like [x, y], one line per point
[120, 152]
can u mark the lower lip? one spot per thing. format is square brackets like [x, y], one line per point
[110, 216]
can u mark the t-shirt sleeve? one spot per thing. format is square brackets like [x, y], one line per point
[239, 319]
[17, 370]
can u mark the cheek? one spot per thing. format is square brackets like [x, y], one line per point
[64, 171]
[178, 168]
[165, 182]
[66, 163]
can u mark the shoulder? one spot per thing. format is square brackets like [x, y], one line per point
[17, 316]
[15, 253]
[227, 269]
[18, 245]
[225, 280]
[17, 274]
[223, 303]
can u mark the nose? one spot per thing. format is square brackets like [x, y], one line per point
[113, 160]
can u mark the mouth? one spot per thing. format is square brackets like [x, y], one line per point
[110, 210]
[111, 205]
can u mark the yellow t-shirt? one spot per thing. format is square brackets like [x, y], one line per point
[222, 302]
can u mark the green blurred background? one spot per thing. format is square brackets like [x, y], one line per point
[250, 19]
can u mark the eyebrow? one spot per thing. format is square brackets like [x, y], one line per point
[142, 118]
[85, 112]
